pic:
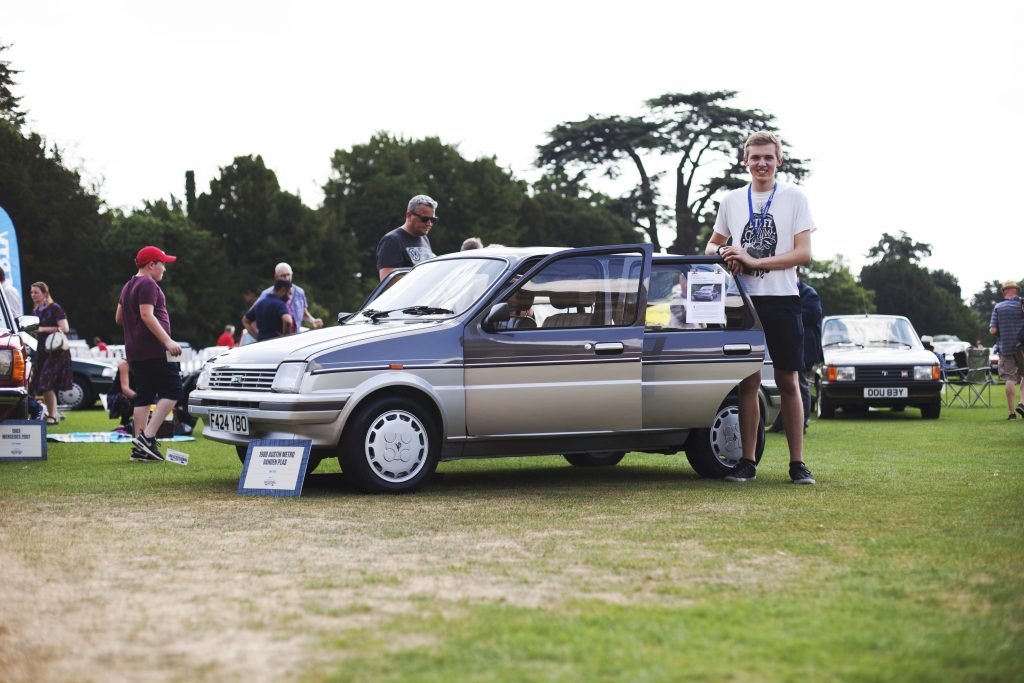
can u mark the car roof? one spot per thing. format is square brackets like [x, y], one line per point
[878, 316]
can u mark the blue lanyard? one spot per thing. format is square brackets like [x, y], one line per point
[764, 214]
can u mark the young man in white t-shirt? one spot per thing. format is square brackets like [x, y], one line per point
[770, 225]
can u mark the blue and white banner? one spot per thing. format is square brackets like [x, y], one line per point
[9, 260]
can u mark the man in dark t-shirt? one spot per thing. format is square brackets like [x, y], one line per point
[407, 245]
[270, 316]
[148, 346]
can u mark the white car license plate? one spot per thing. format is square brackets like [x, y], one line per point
[885, 392]
[236, 423]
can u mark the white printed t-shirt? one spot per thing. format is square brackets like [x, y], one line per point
[789, 215]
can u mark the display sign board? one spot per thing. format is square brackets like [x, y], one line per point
[275, 467]
[22, 440]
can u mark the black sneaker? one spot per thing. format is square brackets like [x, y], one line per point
[1011, 416]
[745, 471]
[147, 447]
[1020, 408]
[799, 473]
[141, 456]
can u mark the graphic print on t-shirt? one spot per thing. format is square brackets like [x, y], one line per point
[417, 254]
[759, 241]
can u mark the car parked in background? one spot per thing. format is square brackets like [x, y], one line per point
[876, 361]
[949, 345]
[90, 378]
[500, 352]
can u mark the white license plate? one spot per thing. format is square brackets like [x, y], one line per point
[236, 423]
[885, 392]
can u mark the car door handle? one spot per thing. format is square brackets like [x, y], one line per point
[736, 349]
[608, 348]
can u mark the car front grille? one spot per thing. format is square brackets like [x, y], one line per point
[894, 374]
[242, 380]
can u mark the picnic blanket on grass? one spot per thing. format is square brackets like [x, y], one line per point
[105, 437]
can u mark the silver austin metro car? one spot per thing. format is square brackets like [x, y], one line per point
[501, 352]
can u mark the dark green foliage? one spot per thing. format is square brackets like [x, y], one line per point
[905, 288]
[190, 193]
[839, 290]
[899, 248]
[59, 226]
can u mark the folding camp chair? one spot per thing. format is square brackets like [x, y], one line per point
[971, 385]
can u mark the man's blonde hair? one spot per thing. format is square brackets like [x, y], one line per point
[763, 137]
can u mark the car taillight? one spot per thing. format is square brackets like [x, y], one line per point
[18, 371]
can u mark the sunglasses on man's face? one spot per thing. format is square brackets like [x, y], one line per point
[426, 219]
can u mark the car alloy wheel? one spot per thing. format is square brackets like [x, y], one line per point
[390, 446]
[75, 398]
[714, 452]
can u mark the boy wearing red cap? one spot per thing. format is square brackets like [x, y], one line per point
[142, 311]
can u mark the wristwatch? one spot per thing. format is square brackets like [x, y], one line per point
[719, 250]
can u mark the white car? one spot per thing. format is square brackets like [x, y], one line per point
[876, 361]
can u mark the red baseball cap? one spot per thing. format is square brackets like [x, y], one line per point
[150, 254]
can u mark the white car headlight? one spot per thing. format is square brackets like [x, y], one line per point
[108, 372]
[288, 377]
[846, 373]
[926, 372]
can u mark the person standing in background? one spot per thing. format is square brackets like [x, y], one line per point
[148, 347]
[1006, 324]
[52, 370]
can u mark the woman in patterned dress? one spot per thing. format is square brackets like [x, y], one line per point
[52, 370]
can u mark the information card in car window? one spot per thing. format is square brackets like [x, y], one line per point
[705, 298]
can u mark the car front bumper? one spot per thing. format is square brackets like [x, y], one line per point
[852, 393]
[272, 416]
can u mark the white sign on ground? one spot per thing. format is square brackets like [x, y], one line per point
[177, 457]
[22, 440]
[275, 467]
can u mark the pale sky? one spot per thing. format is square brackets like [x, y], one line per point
[908, 111]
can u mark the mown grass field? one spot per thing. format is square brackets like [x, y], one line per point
[905, 563]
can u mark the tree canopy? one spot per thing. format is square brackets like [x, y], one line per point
[698, 132]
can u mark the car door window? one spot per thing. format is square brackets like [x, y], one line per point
[666, 302]
[579, 292]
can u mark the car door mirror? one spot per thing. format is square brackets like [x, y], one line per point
[343, 316]
[499, 313]
[28, 323]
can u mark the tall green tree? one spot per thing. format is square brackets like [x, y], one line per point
[259, 225]
[903, 287]
[699, 132]
[60, 225]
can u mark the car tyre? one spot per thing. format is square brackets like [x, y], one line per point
[79, 396]
[595, 458]
[931, 411]
[714, 452]
[391, 445]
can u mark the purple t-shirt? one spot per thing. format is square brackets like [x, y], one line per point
[139, 342]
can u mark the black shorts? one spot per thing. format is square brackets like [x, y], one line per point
[783, 327]
[155, 378]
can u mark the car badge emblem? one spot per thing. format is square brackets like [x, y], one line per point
[236, 380]
[885, 373]
[905, 374]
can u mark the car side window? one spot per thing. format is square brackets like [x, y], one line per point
[580, 291]
[666, 301]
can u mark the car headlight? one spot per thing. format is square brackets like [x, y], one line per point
[108, 372]
[288, 377]
[6, 363]
[203, 381]
[927, 372]
[840, 373]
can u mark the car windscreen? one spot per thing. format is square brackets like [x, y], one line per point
[869, 332]
[440, 288]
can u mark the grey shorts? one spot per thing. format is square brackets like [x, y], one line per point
[1011, 367]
